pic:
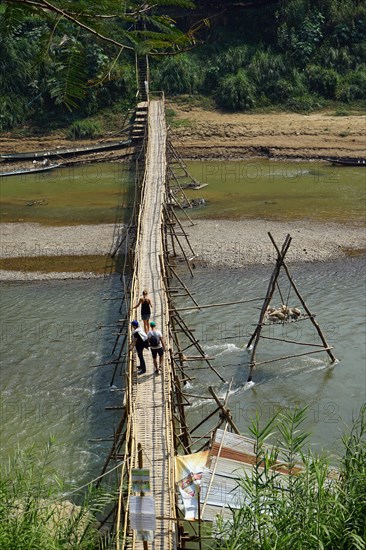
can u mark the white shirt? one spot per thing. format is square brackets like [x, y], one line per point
[158, 334]
[139, 331]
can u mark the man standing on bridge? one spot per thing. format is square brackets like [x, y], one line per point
[157, 346]
[139, 341]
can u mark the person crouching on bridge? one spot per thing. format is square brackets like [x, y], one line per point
[157, 346]
[139, 341]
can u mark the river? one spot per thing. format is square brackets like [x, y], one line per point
[51, 340]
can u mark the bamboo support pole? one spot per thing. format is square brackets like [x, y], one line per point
[218, 305]
[291, 356]
[182, 283]
[117, 434]
[316, 325]
[184, 327]
[225, 412]
[184, 255]
[292, 342]
[267, 300]
[184, 233]
[104, 364]
[205, 419]
[215, 468]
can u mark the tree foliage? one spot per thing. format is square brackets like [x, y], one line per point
[57, 54]
[62, 55]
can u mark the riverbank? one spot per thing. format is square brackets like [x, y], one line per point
[203, 134]
[217, 244]
[199, 133]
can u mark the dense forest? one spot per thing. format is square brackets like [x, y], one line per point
[292, 54]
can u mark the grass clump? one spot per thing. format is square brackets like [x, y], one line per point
[314, 507]
[84, 129]
[34, 515]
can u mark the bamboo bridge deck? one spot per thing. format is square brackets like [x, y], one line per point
[149, 411]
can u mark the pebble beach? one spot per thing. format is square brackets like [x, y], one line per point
[217, 244]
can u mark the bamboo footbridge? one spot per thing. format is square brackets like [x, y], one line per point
[152, 428]
[149, 409]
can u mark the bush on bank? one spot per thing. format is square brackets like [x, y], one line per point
[295, 54]
[34, 514]
[318, 508]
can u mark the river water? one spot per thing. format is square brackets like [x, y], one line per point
[335, 292]
[51, 340]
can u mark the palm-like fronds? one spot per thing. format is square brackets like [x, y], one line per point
[68, 85]
[132, 25]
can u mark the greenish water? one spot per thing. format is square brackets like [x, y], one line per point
[92, 193]
[273, 190]
[237, 190]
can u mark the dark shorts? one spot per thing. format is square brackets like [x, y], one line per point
[145, 316]
[158, 351]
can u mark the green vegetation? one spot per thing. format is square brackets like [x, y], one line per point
[58, 264]
[297, 55]
[33, 513]
[315, 507]
[59, 62]
[82, 129]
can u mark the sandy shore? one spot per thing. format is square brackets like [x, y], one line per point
[213, 134]
[224, 243]
[35, 240]
[236, 244]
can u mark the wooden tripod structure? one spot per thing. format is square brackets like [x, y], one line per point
[273, 283]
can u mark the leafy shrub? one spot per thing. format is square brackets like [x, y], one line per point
[304, 103]
[314, 508]
[178, 74]
[84, 129]
[287, 87]
[236, 92]
[230, 61]
[336, 58]
[233, 59]
[33, 513]
[12, 112]
[323, 81]
[352, 86]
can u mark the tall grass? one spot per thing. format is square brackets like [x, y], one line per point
[34, 515]
[315, 508]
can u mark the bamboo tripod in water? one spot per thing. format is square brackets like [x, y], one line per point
[273, 283]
